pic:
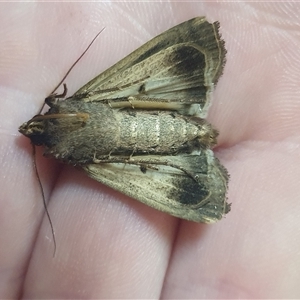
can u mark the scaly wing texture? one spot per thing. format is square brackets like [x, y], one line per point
[166, 188]
[175, 70]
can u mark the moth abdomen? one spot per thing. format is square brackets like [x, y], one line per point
[163, 132]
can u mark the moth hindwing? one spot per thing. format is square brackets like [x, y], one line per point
[139, 126]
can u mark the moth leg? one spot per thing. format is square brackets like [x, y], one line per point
[142, 101]
[144, 163]
[144, 168]
[104, 157]
[130, 101]
[63, 94]
[109, 157]
[150, 163]
[52, 99]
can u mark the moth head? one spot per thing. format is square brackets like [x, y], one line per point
[34, 129]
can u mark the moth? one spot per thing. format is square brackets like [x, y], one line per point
[140, 128]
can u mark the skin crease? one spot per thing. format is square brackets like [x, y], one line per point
[111, 246]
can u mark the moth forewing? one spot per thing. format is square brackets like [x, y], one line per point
[137, 128]
[177, 68]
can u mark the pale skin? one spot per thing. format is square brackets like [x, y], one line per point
[111, 246]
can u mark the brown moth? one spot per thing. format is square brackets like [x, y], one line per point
[139, 126]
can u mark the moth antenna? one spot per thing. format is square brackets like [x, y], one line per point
[73, 65]
[43, 196]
